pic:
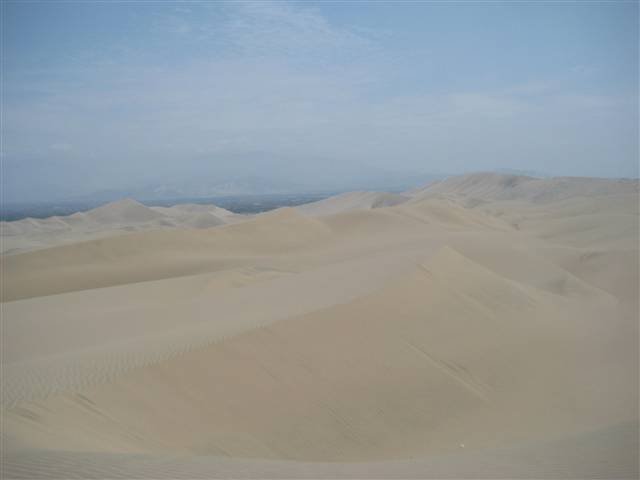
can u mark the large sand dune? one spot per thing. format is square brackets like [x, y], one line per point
[485, 326]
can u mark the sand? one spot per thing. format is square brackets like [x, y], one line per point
[485, 326]
[123, 216]
[352, 201]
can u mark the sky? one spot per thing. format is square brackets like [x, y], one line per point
[101, 95]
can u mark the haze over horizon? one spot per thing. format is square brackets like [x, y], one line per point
[311, 95]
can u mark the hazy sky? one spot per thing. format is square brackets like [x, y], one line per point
[99, 95]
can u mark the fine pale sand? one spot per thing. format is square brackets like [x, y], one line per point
[485, 326]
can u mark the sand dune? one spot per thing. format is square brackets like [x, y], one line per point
[485, 326]
[352, 201]
[495, 186]
[114, 218]
[122, 211]
[183, 208]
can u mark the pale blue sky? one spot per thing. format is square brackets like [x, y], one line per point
[104, 95]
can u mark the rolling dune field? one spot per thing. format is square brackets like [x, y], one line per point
[484, 326]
